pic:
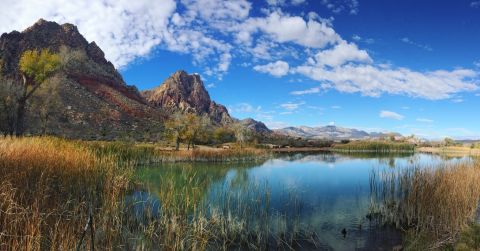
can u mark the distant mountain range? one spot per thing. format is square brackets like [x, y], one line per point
[330, 132]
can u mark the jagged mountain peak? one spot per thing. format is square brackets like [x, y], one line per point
[187, 93]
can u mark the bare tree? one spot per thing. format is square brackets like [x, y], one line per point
[9, 94]
[47, 101]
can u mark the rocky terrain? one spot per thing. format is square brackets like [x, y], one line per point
[330, 132]
[94, 100]
[186, 93]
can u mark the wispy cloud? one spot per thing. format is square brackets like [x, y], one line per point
[307, 91]
[421, 46]
[457, 100]
[290, 106]
[390, 115]
[336, 107]
[424, 120]
[339, 6]
[475, 4]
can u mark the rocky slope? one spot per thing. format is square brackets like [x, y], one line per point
[186, 93]
[93, 98]
[328, 132]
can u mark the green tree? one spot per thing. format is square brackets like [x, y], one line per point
[449, 142]
[175, 128]
[223, 134]
[35, 67]
[197, 128]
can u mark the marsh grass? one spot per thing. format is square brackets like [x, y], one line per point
[49, 185]
[192, 212]
[150, 153]
[374, 146]
[433, 205]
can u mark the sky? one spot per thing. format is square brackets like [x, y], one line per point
[408, 66]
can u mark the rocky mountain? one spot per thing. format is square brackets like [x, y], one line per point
[94, 102]
[93, 98]
[256, 126]
[328, 132]
[186, 93]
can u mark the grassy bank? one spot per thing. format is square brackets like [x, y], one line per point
[434, 205]
[151, 153]
[374, 146]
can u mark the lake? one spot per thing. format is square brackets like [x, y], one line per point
[327, 194]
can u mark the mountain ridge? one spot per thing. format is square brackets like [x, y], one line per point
[330, 132]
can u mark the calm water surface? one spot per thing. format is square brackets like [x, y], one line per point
[325, 192]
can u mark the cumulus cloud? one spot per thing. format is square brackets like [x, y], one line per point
[373, 80]
[124, 29]
[340, 54]
[390, 115]
[277, 69]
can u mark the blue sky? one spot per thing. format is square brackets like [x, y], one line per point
[406, 66]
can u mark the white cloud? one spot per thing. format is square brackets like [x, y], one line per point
[390, 115]
[373, 80]
[336, 107]
[308, 91]
[124, 29]
[340, 54]
[424, 120]
[475, 4]
[277, 69]
[290, 106]
[457, 100]
[477, 63]
[314, 33]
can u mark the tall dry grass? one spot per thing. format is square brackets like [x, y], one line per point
[374, 146]
[47, 188]
[150, 153]
[432, 204]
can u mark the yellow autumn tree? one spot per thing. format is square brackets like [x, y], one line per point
[35, 67]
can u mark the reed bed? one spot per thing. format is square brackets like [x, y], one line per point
[191, 218]
[150, 153]
[433, 205]
[49, 187]
[374, 146]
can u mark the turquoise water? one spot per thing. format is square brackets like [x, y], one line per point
[325, 193]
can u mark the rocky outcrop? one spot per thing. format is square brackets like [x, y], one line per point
[95, 102]
[187, 93]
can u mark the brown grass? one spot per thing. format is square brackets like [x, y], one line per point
[433, 204]
[47, 186]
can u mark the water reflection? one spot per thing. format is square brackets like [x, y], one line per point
[324, 192]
